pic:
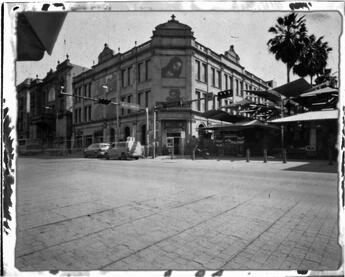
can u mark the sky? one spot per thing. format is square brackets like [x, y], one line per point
[84, 34]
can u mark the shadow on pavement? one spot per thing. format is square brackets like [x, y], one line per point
[317, 166]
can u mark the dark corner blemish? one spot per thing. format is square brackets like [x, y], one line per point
[54, 271]
[8, 153]
[167, 273]
[15, 8]
[302, 271]
[218, 273]
[299, 5]
[45, 7]
[59, 5]
[200, 273]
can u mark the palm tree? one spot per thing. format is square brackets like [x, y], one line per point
[290, 38]
[313, 59]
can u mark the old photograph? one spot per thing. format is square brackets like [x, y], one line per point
[177, 139]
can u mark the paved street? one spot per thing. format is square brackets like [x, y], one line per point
[93, 214]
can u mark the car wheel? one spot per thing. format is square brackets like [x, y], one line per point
[106, 155]
[123, 156]
[85, 155]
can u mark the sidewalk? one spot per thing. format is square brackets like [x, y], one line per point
[319, 166]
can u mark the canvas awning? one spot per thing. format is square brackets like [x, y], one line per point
[266, 94]
[244, 125]
[223, 116]
[323, 98]
[292, 89]
[321, 91]
[37, 33]
[309, 116]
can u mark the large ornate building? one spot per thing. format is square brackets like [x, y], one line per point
[44, 118]
[172, 67]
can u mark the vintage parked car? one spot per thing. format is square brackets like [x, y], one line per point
[124, 150]
[96, 150]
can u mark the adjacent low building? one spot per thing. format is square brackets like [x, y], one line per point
[172, 71]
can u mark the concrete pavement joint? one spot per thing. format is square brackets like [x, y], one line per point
[195, 201]
[252, 241]
[182, 231]
[103, 229]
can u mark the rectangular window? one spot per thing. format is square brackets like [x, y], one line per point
[237, 88]
[214, 103]
[140, 76]
[198, 104]
[89, 90]
[123, 99]
[231, 84]
[198, 72]
[89, 113]
[241, 91]
[123, 73]
[85, 113]
[129, 80]
[85, 90]
[147, 98]
[79, 115]
[204, 67]
[219, 102]
[75, 116]
[226, 81]
[213, 76]
[139, 98]
[219, 83]
[205, 103]
[75, 92]
[147, 70]
[129, 100]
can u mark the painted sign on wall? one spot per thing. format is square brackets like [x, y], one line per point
[106, 84]
[173, 67]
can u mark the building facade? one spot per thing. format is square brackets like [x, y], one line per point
[44, 116]
[170, 68]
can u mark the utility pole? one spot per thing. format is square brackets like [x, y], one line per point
[147, 132]
[154, 133]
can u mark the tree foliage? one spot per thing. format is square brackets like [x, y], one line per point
[289, 40]
[313, 58]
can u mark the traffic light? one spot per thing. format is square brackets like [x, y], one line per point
[224, 94]
[104, 101]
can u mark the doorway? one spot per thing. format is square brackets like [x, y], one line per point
[177, 141]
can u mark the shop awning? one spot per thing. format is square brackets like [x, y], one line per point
[244, 125]
[321, 91]
[292, 89]
[37, 33]
[266, 94]
[223, 116]
[309, 116]
[323, 98]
